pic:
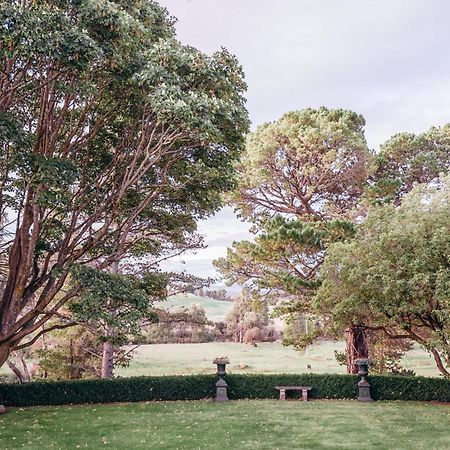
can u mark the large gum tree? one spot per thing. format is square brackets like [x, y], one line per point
[114, 139]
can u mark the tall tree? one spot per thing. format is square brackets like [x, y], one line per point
[306, 181]
[115, 138]
[394, 277]
[301, 179]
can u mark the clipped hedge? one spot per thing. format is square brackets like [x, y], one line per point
[135, 389]
[195, 387]
[409, 388]
[262, 386]
[383, 387]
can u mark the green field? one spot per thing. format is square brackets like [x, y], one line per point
[267, 357]
[215, 310]
[263, 424]
[180, 359]
[170, 359]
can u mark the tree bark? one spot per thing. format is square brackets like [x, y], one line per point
[5, 350]
[356, 346]
[439, 364]
[107, 370]
[23, 373]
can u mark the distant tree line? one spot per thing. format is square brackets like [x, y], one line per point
[216, 294]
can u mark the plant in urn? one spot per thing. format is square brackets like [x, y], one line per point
[221, 362]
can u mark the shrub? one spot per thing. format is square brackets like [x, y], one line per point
[195, 387]
[409, 388]
[263, 386]
[106, 391]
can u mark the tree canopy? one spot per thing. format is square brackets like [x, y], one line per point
[394, 276]
[300, 180]
[407, 159]
[114, 139]
[307, 181]
[311, 163]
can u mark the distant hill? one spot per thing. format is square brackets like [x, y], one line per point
[216, 310]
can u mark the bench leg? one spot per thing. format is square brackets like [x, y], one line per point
[304, 395]
[282, 394]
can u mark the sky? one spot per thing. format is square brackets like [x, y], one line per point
[387, 60]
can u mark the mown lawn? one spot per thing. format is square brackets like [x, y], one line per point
[267, 357]
[264, 424]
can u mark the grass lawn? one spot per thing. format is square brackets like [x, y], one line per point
[264, 424]
[180, 359]
[215, 310]
[185, 359]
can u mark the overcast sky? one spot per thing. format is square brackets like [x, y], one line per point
[385, 59]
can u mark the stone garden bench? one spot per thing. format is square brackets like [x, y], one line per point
[304, 390]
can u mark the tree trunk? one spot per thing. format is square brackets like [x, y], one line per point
[23, 373]
[439, 363]
[5, 350]
[107, 370]
[356, 347]
[107, 360]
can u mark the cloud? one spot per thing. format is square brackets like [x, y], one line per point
[219, 232]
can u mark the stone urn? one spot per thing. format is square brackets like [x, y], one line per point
[221, 365]
[363, 384]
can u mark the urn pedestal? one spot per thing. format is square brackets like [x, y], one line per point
[221, 391]
[221, 385]
[363, 384]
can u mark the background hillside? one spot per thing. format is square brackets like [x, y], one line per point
[215, 310]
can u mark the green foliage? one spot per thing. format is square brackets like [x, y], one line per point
[407, 159]
[187, 324]
[105, 391]
[386, 355]
[300, 329]
[70, 354]
[263, 386]
[115, 300]
[115, 139]
[195, 387]
[312, 162]
[394, 276]
[284, 257]
[409, 388]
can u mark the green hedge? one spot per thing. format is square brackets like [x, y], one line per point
[409, 388]
[383, 387]
[262, 386]
[134, 389]
[195, 387]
